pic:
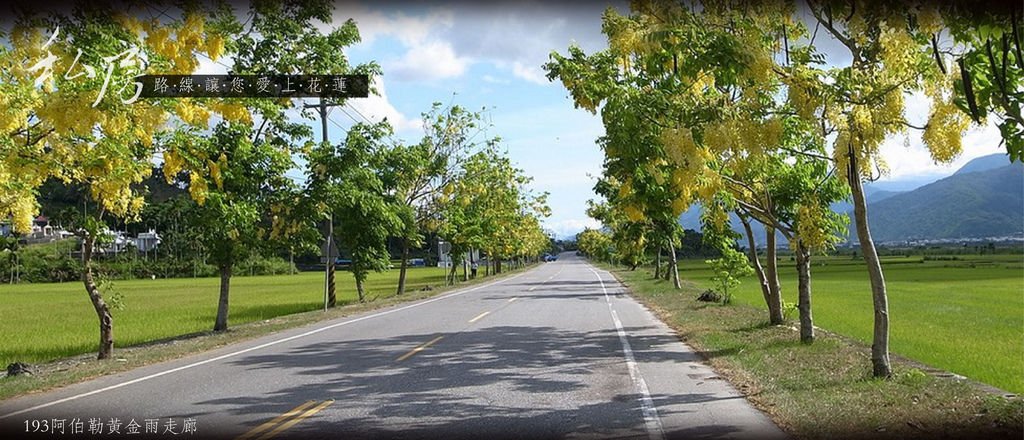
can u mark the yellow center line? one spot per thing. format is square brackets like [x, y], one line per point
[276, 420]
[298, 419]
[419, 349]
[479, 317]
[513, 299]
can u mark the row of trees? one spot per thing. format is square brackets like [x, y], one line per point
[62, 121]
[732, 105]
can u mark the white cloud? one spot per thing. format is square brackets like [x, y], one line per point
[426, 57]
[529, 73]
[570, 227]
[483, 32]
[914, 160]
[562, 175]
[428, 61]
[908, 158]
[444, 40]
[378, 107]
[493, 80]
[410, 30]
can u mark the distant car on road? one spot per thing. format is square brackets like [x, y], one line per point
[549, 257]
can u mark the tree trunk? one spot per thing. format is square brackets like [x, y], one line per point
[497, 266]
[359, 289]
[880, 342]
[673, 266]
[465, 270]
[332, 298]
[803, 269]
[657, 262]
[222, 306]
[665, 274]
[101, 307]
[756, 264]
[403, 267]
[451, 274]
[771, 274]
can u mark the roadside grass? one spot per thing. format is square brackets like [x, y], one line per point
[965, 316]
[54, 326]
[823, 390]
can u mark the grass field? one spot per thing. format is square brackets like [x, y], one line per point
[964, 315]
[43, 322]
[825, 389]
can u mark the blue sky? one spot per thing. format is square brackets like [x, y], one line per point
[488, 57]
[491, 56]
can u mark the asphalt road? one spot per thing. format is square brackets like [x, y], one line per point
[556, 352]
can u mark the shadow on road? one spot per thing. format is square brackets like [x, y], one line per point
[552, 383]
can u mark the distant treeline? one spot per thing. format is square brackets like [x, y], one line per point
[60, 261]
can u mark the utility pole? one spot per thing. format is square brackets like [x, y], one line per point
[329, 297]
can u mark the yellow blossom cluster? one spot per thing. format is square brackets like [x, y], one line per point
[898, 49]
[97, 145]
[215, 169]
[802, 93]
[929, 19]
[12, 116]
[741, 134]
[18, 206]
[70, 114]
[147, 119]
[189, 37]
[812, 225]
[173, 164]
[191, 113]
[231, 111]
[633, 213]
[130, 23]
[116, 196]
[682, 184]
[198, 188]
[680, 147]
[944, 132]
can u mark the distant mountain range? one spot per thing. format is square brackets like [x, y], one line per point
[978, 201]
[984, 198]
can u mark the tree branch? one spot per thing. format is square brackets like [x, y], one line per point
[848, 42]
[935, 51]
[256, 136]
[925, 127]
[804, 153]
[764, 217]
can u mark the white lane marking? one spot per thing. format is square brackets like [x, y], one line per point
[651, 420]
[479, 317]
[556, 274]
[513, 299]
[247, 350]
[549, 279]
